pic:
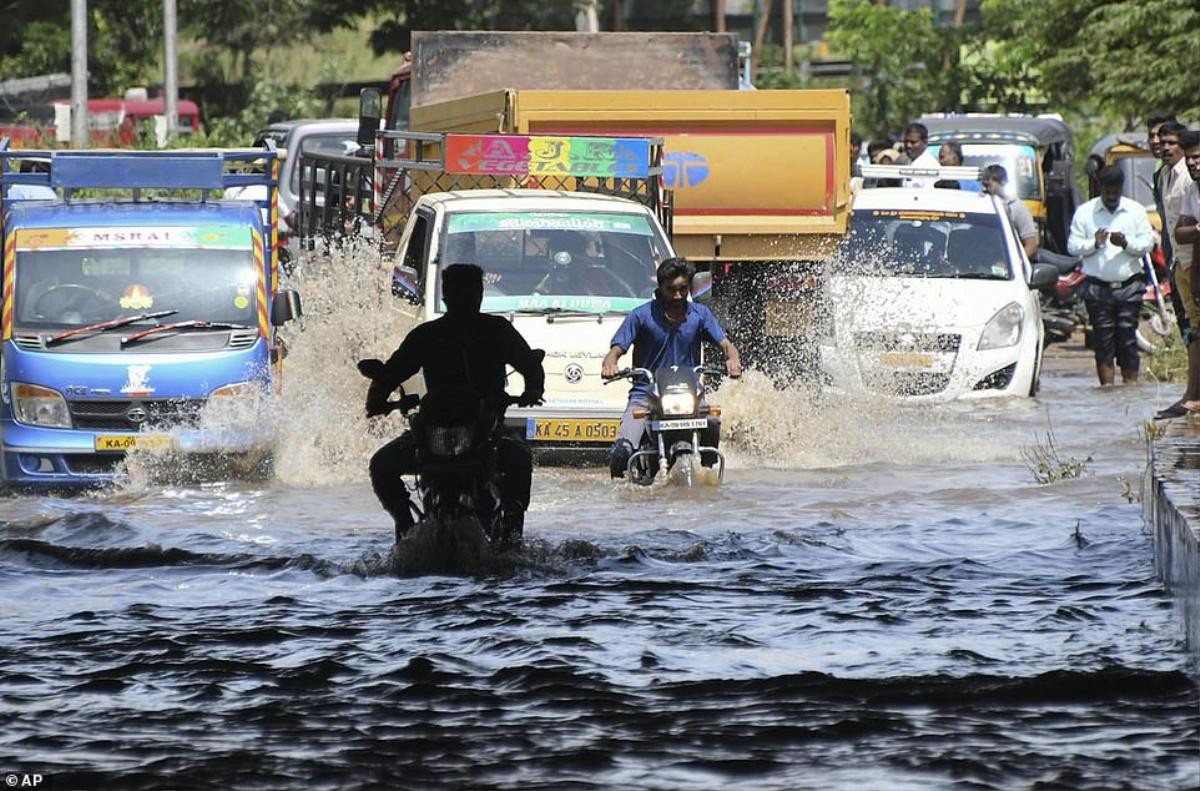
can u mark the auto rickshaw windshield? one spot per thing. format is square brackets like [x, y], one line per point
[1019, 161]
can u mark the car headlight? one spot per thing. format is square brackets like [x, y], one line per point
[39, 406]
[241, 391]
[678, 404]
[1003, 329]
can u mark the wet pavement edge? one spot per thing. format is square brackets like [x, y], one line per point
[1171, 505]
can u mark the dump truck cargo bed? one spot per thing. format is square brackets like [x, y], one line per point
[757, 175]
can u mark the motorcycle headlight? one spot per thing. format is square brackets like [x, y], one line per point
[449, 440]
[678, 404]
[39, 406]
[1003, 329]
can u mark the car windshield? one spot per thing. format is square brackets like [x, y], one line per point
[558, 261]
[1020, 162]
[921, 243]
[65, 286]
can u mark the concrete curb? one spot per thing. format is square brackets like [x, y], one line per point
[1171, 506]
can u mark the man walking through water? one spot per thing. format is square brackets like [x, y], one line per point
[462, 349]
[1112, 233]
[665, 331]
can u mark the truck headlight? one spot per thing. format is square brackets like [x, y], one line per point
[678, 404]
[236, 404]
[1003, 329]
[39, 406]
[240, 391]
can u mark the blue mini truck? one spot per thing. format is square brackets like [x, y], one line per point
[132, 322]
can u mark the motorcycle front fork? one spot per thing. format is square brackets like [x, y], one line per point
[663, 458]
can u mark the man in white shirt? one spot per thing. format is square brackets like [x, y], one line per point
[1112, 233]
[916, 148]
[1187, 238]
[1173, 183]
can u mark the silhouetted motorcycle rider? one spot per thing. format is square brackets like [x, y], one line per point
[462, 349]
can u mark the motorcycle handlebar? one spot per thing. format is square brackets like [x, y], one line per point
[629, 373]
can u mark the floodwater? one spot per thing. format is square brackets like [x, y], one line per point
[875, 598]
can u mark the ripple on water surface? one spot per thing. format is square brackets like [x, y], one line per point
[875, 598]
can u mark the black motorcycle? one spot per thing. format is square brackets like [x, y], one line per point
[675, 418]
[455, 436]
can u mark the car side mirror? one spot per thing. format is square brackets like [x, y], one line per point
[1043, 276]
[702, 287]
[285, 306]
[404, 284]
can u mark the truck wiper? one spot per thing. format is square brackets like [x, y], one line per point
[111, 324]
[193, 324]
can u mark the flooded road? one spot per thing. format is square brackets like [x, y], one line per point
[875, 598]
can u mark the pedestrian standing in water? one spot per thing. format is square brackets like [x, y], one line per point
[1112, 233]
[1187, 237]
[1172, 184]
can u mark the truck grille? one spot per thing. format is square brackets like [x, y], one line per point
[115, 414]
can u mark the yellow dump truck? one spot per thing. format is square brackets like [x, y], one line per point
[759, 181]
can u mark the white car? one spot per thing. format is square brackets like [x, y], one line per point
[309, 136]
[932, 298]
[565, 268]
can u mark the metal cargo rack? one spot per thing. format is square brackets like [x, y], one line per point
[176, 169]
[347, 195]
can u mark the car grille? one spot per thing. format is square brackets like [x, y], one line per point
[905, 383]
[908, 341]
[114, 413]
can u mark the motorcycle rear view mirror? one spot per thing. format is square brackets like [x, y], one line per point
[702, 287]
[372, 369]
[1043, 276]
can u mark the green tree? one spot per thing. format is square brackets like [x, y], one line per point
[124, 39]
[398, 18]
[1121, 58]
[899, 55]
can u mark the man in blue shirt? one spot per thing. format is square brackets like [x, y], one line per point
[667, 330]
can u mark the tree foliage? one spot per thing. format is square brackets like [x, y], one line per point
[1122, 57]
[899, 54]
[1116, 58]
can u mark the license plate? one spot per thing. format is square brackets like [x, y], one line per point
[571, 429]
[787, 318]
[906, 360]
[679, 425]
[130, 441]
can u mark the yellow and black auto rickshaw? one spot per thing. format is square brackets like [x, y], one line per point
[1038, 153]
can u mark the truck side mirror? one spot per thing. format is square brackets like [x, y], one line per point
[702, 287]
[285, 306]
[369, 113]
[404, 284]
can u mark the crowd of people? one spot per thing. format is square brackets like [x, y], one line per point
[1111, 234]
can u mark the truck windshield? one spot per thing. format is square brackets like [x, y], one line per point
[71, 287]
[1020, 162]
[908, 243]
[593, 262]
